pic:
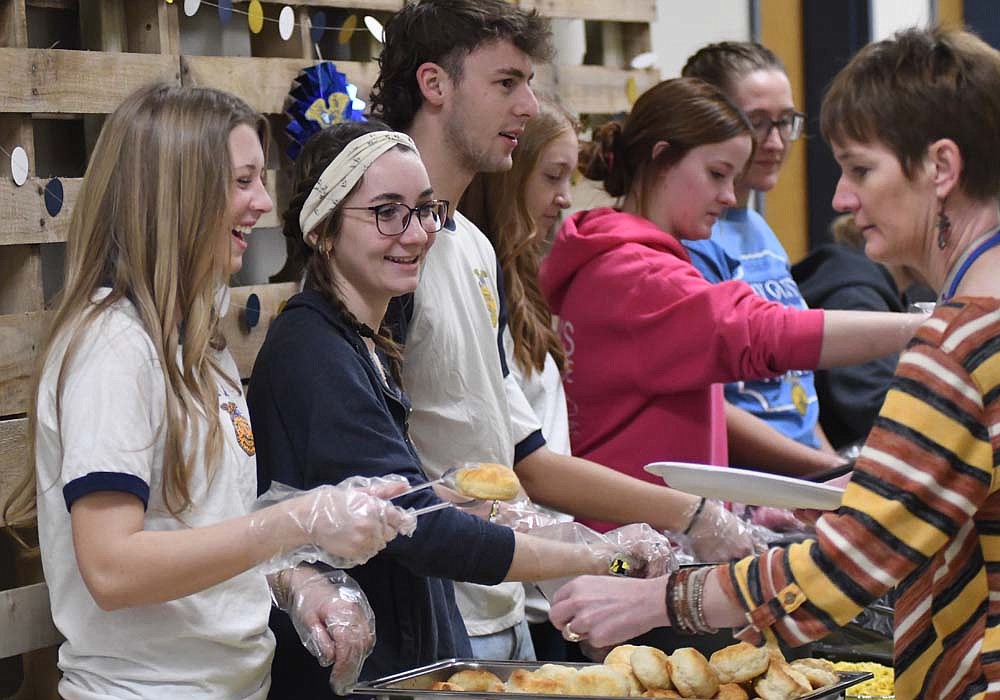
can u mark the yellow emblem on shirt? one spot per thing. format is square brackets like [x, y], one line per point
[244, 434]
[482, 278]
[800, 398]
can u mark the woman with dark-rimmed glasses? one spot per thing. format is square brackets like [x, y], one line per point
[326, 398]
[754, 78]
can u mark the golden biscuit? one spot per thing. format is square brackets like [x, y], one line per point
[477, 680]
[599, 680]
[817, 675]
[661, 693]
[824, 664]
[488, 481]
[444, 685]
[781, 682]
[739, 663]
[692, 675]
[634, 686]
[525, 681]
[731, 691]
[556, 672]
[652, 667]
[620, 654]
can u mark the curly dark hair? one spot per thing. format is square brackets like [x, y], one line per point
[445, 32]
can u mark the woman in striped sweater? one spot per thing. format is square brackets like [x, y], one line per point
[914, 122]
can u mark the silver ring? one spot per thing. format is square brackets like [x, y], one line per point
[570, 635]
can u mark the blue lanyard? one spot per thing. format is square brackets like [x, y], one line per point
[991, 242]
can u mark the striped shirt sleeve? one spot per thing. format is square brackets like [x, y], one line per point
[915, 515]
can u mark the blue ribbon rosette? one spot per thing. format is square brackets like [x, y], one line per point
[320, 97]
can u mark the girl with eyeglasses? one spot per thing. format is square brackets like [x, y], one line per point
[754, 78]
[327, 402]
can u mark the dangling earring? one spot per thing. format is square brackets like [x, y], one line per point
[943, 229]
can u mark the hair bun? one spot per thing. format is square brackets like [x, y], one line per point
[602, 158]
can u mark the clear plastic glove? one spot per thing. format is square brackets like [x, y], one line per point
[605, 611]
[342, 526]
[776, 519]
[334, 621]
[647, 553]
[718, 535]
[521, 515]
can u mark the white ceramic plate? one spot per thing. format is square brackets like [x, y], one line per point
[743, 486]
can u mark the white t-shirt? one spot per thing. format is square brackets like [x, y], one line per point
[464, 408]
[212, 644]
[544, 392]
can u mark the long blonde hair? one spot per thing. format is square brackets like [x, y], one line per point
[496, 203]
[147, 223]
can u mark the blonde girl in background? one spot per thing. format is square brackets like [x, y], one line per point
[144, 456]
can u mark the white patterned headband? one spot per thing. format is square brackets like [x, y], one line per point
[340, 176]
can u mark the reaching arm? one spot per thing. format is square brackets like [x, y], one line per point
[124, 565]
[585, 489]
[851, 337]
[755, 444]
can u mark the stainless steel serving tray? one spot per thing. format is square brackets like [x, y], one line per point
[416, 683]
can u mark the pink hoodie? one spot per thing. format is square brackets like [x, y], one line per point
[648, 340]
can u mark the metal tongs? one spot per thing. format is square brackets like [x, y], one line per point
[447, 480]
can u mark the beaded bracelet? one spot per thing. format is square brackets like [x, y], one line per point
[697, 589]
[685, 601]
[694, 518]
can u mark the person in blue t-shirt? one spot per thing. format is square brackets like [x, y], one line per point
[754, 78]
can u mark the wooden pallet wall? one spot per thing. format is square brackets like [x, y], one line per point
[66, 63]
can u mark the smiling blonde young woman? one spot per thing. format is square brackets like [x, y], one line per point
[144, 455]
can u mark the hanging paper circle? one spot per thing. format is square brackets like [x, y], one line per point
[286, 22]
[19, 166]
[347, 30]
[255, 16]
[318, 22]
[252, 311]
[631, 90]
[320, 97]
[53, 196]
[170, 2]
[225, 11]
[191, 7]
[375, 27]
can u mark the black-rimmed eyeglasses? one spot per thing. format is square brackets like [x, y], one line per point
[392, 218]
[789, 126]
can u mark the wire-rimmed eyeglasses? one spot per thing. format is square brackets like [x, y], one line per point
[392, 218]
[789, 126]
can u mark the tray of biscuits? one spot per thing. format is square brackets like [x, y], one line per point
[737, 672]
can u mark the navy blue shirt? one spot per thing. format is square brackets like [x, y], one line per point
[320, 414]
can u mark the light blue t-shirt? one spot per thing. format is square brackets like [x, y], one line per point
[788, 402]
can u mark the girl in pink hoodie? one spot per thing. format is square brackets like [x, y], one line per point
[648, 339]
